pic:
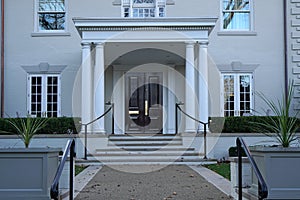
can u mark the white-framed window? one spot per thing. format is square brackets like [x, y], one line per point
[143, 8]
[43, 95]
[50, 15]
[236, 15]
[237, 95]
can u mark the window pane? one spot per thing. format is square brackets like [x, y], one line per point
[236, 5]
[51, 5]
[126, 12]
[143, 1]
[51, 21]
[52, 93]
[228, 95]
[36, 95]
[234, 20]
[245, 92]
[135, 12]
[161, 12]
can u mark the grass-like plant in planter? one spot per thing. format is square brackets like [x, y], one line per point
[27, 127]
[279, 164]
[282, 125]
[40, 163]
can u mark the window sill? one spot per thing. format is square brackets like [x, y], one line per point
[237, 33]
[50, 34]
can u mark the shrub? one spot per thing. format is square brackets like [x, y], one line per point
[59, 125]
[232, 151]
[243, 124]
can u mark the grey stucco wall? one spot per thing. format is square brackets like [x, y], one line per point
[264, 47]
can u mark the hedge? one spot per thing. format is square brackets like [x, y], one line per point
[59, 125]
[242, 124]
[232, 151]
[67, 125]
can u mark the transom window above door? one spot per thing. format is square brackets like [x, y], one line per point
[143, 8]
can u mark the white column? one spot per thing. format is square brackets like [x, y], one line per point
[190, 95]
[87, 85]
[203, 84]
[171, 99]
[99, 88]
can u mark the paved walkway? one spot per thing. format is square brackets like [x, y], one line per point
[178, 182]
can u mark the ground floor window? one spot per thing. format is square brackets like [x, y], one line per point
[44, 95]
[237, 94]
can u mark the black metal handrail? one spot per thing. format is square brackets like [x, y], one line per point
[177, 107]
[262, 186]
[54, 191]
[111, 108]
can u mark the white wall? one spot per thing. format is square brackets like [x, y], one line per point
[264, 48]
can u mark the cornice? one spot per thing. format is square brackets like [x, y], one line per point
[143, 28]
[144, 24]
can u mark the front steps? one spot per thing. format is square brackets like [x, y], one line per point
[146, 149]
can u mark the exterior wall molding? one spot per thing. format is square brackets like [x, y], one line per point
[44, 68]
[237, 66]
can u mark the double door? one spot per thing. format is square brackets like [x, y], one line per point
[237, 94]
[144, 102]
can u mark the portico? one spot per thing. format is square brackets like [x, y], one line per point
[169, 52]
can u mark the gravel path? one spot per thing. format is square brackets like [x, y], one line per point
[172, 182]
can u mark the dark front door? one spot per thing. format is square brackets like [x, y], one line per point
[144, 99]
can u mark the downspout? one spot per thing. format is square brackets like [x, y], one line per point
[285, 48]
[2, 58]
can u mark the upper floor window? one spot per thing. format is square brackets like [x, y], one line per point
[51, 15]
[236, 15]
[143, 8]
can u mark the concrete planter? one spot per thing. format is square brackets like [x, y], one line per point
[280, 168]
[27, 173]
[246, 172]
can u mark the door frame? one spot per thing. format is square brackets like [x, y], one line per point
[237, 92]
[118, 96]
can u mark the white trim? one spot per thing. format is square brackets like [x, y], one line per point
[145, 22]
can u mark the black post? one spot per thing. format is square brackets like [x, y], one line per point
[72, 155]
[176, 118]
[239, 152]
[85, 141]
[112, 118]
[204, 134]
[260, 196]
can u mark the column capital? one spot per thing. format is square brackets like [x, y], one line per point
[99, 44]
[203, 43]
[85, 45]
[190, 43]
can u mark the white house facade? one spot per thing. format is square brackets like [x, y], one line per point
[76, 58]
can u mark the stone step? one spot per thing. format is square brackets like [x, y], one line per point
[97, 162]
[144, 143]
[145, 148]
[146, 159]
[146, 153]
[144, 138]
[140, 140]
